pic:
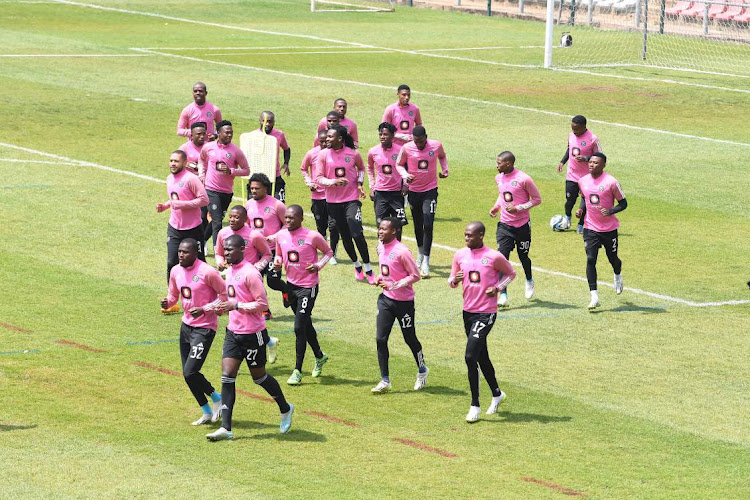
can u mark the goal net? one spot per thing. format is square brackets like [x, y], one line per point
[711, 36]
[351, 5]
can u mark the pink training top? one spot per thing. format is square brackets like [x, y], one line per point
[214, 152]
[193, 153]
[266, 215]
[283, 146]
[334, 164]
[398, 269]
[483, 267]
[199, 285]
[349, 125]
[298, 249]
[600, 192]
[186, 197]
[585, 145]
[383, 161]
[257, 250]
[192, 113]
[308, 169]
[245, 288]
[516, 188]
[422, 164]
[405, 118]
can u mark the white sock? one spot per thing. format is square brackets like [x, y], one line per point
[594, 295]
[368, 268]
[618, 276]
[426, 260]
[357, 264]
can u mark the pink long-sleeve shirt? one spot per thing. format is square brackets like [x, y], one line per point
[405, 118]
[245, 288]
[186, 197]
[214, 152]
[334, 164]
[283, 145]
[257, 251]
[192, 113]
[483, 267]
[398, 269]
[193, 153]
[600, 192]
[266, 215]
[516, 188]
[199, 285]
[349, 125]
[298, 249]
[308, 170]
[422, 164]
[585, 145]
[381, 168]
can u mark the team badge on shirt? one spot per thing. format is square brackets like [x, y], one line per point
[485, 261]
[209, 114]
[514, 183]
[411, 113]
[394, 157]
[186, 292]
[181, 183]
[507, 196]
[267, 210]
[422, 165]
[392, 255]
[583, 143]
[228, 155]
[347, 159]
[292, 256]
[432, 153]
[385, 270]
[387, 169]
[300, 242]
[258, 223]
[339, 172]
[601, 188]
[474, 277]
[196, 278]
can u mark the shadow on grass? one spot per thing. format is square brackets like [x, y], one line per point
[287, 316]
[442, 389]
[331, 380]
[439, 271]
[522, 418]
[448, 219]
[543, 304]
[292, 435]
[630, 307]
[10, 427]
[251, 424]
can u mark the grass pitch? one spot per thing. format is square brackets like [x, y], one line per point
[647, 398]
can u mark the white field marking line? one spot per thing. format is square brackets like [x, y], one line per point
[247, 48]
[444, 96]
[646, 79]
[295, 53]
[47, 162]
[690, 70]
[371, 229]
[459, 49]
[402, 51]
[72, 55]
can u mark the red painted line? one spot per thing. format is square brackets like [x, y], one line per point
[552, 486]
[424, 447]
[249, 394]
[159, 369]
[330, 418]
[14, 328]
[78, 346]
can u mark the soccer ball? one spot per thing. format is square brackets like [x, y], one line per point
[559, 223]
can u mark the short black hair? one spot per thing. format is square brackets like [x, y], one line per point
[240, 209]
[235, 240]
[388, 126]
[198, 124]
[403, 86]
[419, 131]
[192, 242]
[263, 179]
[579, 120]
[297, 209]
[600, 155]
[223, 123]
[181, 153]
[508, 154]
[334, 113]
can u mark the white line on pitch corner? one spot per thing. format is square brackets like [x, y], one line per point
[371, 229]
[296, 53]
[24, 56]
[47, 162]
[441, 96]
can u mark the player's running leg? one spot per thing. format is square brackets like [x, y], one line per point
[406, 320]
[384, 323]
[592, 244]
[610, 243]
[195, 344]
[429, 208]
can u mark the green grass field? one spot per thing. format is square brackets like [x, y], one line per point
[647, 398]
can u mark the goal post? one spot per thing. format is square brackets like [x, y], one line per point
[352, 5]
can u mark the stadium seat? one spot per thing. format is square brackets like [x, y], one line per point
[716, 9]
[696, 11]
[678, 8]
[625, 6]
[730, 14]
[743, 18]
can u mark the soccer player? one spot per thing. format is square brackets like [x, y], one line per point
[297, 249]
[483, 273]
[387, 190]
[398, 272]
[599, 190]
[246, 337]
[340, 106]
[194, 145]
[220, 162]
[266, 214]
[199, 111]
[269, 119]
[404, 115]
[331, 120]
[318, 193]
[417, 165]
[518, 194]
[341, 171]
[186, 197]
[201, 289]
[582, 143]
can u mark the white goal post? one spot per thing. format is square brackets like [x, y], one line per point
[352, 5]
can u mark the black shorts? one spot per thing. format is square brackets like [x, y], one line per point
[390, 204]
[348, 216]
[175, 237]
[319, 209]
[571, 190]
[479, 323]
[390, 310]
[509, 237]
[250, 346]
[196, 341]
[218, 203]
[593, 240]
[426, 203]
[279, 189]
